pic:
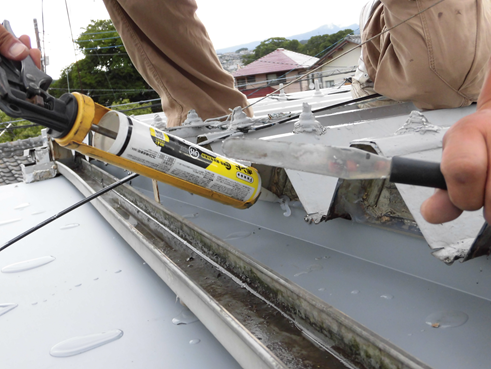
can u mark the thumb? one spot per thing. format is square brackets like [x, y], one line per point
[484, 101]
[10, 47]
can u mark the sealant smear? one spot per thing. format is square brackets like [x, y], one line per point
[222, 270]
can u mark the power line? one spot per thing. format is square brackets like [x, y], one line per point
[73, 41]
[120, 54]
[14, 121]
[107, 89]
[96, 33]
[19, 127]
[104, 47]
[98, 39]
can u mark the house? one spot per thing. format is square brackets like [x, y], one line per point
[264, 75]
[337, 71]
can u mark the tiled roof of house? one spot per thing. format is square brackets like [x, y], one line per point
[12, 156]
[280, 60]
[356, 39]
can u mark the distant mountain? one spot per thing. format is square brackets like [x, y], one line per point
[325, 29]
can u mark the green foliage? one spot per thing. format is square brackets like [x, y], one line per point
[270, 45]
[12, 134]
[317, 44]
[106, 73]
[241, 49]
[133, 109]
[313, 46]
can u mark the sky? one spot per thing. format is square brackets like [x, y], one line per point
[229, 23]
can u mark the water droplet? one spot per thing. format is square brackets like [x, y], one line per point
[194, 342]
[186, 316]
[78, 345]
[311, 269]
[446, 319]
[315, 267]
[387, 297]
[237, 235]
[322, 289]
[422, 330]
[5, 308]
[355, 292]
[188, 216]
[322, 257]
[27, 265]
[78, 285]
[3, 222]
[300, 273]
[144, 263]
[38, 212]
[96, 279]
[71, 225]
[34, 303]
[22, 206]
[118, 271]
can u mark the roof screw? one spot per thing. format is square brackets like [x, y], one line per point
[239, 119]
[158, 122]
[192, 119]
[307, 122]
[317, 92]
[282, 93]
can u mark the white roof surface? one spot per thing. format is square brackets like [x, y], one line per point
[89, 281]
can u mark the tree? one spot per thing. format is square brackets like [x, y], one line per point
[106, 73]
[316, 45]
[11, 133]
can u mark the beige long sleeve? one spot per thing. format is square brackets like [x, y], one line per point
[437, 59]
[171, 49]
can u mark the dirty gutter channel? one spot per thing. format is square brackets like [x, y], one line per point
[261, 318]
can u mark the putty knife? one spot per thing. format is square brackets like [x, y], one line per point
[341, 162]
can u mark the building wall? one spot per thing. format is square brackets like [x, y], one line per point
[350, 60]
[347, 60]
[262, 81]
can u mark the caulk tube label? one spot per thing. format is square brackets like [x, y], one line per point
[172, 155]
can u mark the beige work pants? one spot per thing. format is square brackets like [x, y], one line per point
[171, 49]
[437, 59]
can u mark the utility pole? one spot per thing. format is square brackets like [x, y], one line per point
[38, 41]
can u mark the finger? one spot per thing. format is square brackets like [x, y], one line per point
[36, 56]
[439, 209]
[10, 47]
[35, 53]
[465, 161]
[26, 40]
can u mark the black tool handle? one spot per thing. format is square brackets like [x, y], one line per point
[417, 172]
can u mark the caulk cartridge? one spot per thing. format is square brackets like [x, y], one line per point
[170, 159]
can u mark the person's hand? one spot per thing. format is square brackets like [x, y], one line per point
[466, 165]
[18, 49]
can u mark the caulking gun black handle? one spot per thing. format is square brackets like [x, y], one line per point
[417, 172]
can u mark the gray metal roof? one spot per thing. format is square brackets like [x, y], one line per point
[75, 295]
